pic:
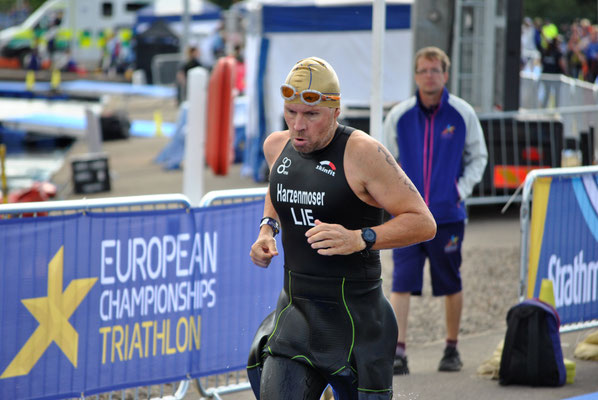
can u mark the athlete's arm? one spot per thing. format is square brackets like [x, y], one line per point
[376, 178]
[264, 248]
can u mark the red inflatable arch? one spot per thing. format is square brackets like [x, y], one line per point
[219, 133]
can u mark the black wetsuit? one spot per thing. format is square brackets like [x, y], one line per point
[331, 315]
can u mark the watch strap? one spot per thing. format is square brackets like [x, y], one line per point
[368, 242]
[272, 223]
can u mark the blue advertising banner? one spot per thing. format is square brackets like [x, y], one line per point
[101, 301]
[564, 244]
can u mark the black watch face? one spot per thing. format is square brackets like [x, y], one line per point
[369, 235]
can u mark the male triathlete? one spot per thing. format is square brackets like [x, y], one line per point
[328, 186]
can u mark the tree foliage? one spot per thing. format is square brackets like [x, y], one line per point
[561, 11]
[36, 3]
[224, 4]
[221, 3]
[9, 5]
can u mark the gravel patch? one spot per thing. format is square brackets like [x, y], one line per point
[490, 287]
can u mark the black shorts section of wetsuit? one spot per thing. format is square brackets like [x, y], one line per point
[343, 329]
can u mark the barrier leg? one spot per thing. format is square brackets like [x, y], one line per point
[178, 395]
[181, 390]
[214, 393]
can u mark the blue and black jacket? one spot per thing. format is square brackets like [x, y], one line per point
[442, 150]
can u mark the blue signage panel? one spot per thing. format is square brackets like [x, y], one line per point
[569, 247]
[101, 301]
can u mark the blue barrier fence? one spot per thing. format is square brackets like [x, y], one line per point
[560, 241]
[98, 301]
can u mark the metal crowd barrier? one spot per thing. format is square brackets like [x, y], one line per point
[521, 141]
[555, 91]
[232, 196]
[114, 204]
[525, 223]
[212, 387]
[131, 203]
[164, 68]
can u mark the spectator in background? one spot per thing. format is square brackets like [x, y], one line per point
[114, 52]
[549, 31]
[34, 63]
[51, 36]
[591, 54]
[529, 51]
[538, 33]
[553, 62]
[585, 30]
[181, 77]
[438, 141]
[71, 64]
[575, 57]
[106, 44]
[218, 44]
[240, 70]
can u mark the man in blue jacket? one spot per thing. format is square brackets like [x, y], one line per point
[438, 141]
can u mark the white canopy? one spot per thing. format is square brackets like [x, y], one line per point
[280, 33]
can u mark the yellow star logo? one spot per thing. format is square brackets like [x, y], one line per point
[52, 313]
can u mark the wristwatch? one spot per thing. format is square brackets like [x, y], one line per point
[272, 223]
[369, 237]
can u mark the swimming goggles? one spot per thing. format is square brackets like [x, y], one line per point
[308, 96]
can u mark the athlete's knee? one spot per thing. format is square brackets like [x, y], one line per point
[283, 378]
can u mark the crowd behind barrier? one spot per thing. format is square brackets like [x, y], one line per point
[239, 295]
[569, 49]
[559, 241]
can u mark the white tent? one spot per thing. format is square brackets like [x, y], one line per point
[281, 32]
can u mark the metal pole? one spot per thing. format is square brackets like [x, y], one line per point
[4, 186]
[93, 131]
[456, 53]
[186, 22]
[230, 28]
[378, 29]
[195, 137]
[486, 78]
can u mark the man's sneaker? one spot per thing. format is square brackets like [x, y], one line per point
[450, 361]
[399, 366]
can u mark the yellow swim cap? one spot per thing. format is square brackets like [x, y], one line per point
[313, 75]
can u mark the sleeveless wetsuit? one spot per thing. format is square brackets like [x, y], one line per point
[331, 313]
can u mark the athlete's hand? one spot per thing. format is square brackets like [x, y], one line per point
[334, 239]
[263, 250]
